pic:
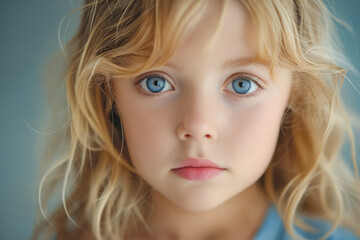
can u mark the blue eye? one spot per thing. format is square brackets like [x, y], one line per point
[154, 84]
[242, 86]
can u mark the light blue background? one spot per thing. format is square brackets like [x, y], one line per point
[28, 38]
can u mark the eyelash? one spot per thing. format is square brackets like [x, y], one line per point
[247, 77]
[232, 77]
[147, 75]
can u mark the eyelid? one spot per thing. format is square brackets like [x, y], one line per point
[251, 77]
[232, 77]
[248, 76]
[143, 76]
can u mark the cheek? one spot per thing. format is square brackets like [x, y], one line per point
[147, 136]
[253, 139]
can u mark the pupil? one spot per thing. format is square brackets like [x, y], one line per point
[241, 84]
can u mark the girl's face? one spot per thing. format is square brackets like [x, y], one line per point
[212, 103]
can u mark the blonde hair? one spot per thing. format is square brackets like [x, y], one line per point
[101, 191]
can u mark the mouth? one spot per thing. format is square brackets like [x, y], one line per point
[198, 169]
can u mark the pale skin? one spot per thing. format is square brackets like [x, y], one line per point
[198, 114]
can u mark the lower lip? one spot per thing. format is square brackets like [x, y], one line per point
[197, 173]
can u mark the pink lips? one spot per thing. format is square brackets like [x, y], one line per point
[198, 169]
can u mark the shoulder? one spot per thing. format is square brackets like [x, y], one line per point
[273, 228]
[322, 227]
[343, 233]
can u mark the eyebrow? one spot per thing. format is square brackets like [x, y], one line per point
[246, 61]
[173, 66]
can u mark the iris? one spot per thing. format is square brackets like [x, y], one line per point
[155, 84]
[241, 85]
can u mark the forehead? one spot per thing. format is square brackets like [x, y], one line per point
[223, 33]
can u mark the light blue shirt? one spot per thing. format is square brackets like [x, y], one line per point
[273, 228]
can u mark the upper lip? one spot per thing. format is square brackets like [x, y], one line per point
[198, 162]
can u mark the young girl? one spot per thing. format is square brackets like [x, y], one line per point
[203, 120]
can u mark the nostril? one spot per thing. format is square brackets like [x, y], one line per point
[188, 135]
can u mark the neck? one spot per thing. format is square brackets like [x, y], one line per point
[240, 216]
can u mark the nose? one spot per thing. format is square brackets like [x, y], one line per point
[198, 121]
